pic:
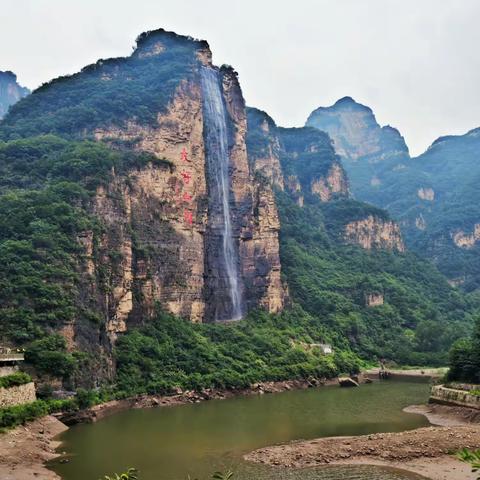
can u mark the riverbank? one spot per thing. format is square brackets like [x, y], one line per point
[25, 450]
[426, 451]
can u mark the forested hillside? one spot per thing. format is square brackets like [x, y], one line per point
[388, 303]
[110, 239]
[433, 196]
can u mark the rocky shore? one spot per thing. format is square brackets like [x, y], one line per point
[426, 451]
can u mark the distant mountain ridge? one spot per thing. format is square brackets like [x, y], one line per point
[10, 91]
[433, 196]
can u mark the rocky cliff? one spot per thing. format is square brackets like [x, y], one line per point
[10, 91]
[355, 132]
[169, 208]
[302, 162]
[299, 160]
[192, 229]
[375, 233]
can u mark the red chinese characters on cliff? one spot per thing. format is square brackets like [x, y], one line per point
[180, 192]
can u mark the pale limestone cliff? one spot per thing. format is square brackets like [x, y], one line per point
[426, 194]
[467, 240]
[374, 233]
[333, 183]
[374, 299]
[156, 217]
[356, 133]
[254, 211]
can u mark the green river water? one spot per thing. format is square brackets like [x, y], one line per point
[195, 440]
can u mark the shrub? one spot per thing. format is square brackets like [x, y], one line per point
[15, 379]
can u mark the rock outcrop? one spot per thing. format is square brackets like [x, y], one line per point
[10, 91]
[356, 134]
[427, 194]
[467, 240]
[375, 233]
[374, 299]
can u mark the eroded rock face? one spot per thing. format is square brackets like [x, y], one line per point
[264, 147]
[467, 240]
[356, 133]
[10, 91]
[375, 233]
[334, 182]
[427, 194]
[374, 299]
[154, 247]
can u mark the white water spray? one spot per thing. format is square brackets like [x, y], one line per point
[216, 142]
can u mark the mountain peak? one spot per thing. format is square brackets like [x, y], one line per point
[10, 91]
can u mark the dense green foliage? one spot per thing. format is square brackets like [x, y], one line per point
[45, 187]
[109, 92]
[422, 315]
[14, 380]
[170, 352]
[465, 358]
[20, 414]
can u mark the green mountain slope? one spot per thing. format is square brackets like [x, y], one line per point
[433, 196]
[98, 262]
[421, 314]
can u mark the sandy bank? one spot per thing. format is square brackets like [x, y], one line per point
[24, 450]
[425, 451]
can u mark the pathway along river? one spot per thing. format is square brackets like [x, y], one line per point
[172, 443]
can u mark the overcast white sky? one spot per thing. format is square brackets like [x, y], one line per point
[415, 62]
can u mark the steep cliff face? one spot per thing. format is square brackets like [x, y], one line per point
[10, 91]
[375, 233]
[355, 132]
[182, 255]
[366, 148]
[193, 229]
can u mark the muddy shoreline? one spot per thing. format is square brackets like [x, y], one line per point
[426, 451]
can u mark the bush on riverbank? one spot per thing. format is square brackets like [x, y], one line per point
[11, 417]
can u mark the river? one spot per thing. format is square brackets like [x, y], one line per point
[195, 440]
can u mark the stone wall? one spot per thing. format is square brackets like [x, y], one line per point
[451, 396]
[8, 370]
[17, 395]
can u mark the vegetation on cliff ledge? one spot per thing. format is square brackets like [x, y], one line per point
[169, 352]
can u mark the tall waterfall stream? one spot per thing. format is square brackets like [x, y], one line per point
[218, 162]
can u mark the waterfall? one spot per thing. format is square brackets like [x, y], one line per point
[224, 258]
